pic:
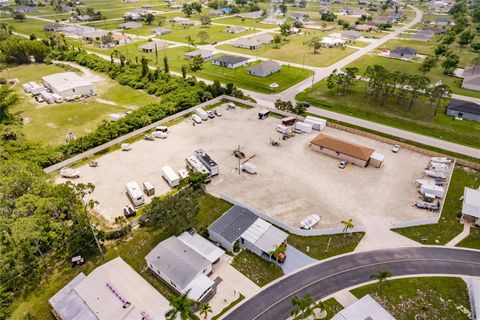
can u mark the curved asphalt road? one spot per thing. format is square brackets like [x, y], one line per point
[326, 278]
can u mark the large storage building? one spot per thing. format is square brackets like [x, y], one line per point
[68, 84]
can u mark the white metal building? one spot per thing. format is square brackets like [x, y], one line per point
[471, 203]
[364, 309]
[68, 84]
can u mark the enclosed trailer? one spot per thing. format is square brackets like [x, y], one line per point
[249, 167]
[58, 98]
[303, 126]
[183, 173]
[135, 193]
[282, 129]
[288, 121]
[36, 88]
[317, 123]
[263, 114]
[148, 188]
[201, 113]
[441, 167]
[47, 96]
[207, 161]
[432, 189]
[27, 87]
[170, 176]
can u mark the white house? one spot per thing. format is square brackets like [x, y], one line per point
[112, 291]
[264, 68]
[471, 203]
[68, 84]
[184, 263]
[205, 54]
[365, 308]
[471, 78]
[230, 61]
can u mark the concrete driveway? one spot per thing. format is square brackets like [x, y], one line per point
[235, 279]
[296, 259]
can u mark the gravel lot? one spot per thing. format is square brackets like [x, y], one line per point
[292, 181]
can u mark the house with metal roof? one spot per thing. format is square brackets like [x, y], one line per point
[205, 54]
[68, 84]
[112, 291]
[404, 53]
[471, 78]
[343, 150]
[351, 35]
[184, 263]
[264, 68]
[241, 228]
[53, 27]
[252, 15]
[364, 309]
[236, 29]
[230, 61]
[471, 203]
[161, 31]
[247, 43]
[442, 22]
[130, 25]
[473, 284]
[151, 46]
[464, 110]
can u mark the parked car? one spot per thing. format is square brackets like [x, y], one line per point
[125, 147]
[196, 119]
[343, 164]
[129, 211]
[211, 114]
[395, 148]
[217, 113]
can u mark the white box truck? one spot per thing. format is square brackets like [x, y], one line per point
[317, 123]
[202, 114]
[303, 126]
[135, 193]
[170, 176]
[432, 189]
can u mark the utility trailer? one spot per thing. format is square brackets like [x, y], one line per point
[428, 205]
[170, 176]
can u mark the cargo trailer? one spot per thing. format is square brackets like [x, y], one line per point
[58, 98]
[170, 176]
[317, 123]
[47, 96]
[304, 127]
[207, 161]
[36, 89]
[201, 113]
[437, 191]
[135, 193]
[249, 167]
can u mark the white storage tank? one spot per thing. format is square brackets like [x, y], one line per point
[304, 127]
[170, 176]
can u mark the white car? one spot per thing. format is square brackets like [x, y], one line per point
[395, 148]
[343, 164]
[217, 113]
[309, 222]
[125, 147]
[196, 119]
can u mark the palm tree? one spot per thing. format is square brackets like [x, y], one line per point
[181, 306]
[348, 224]
[302, 305]
[205, 309]
[381, 276]
[8, 99]
[278, 249]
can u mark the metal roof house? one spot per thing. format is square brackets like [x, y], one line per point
[471, 78]
[442, 21]
[464, 110]
[68, 84]
[53, 27]
[161, 31]
[152, 45]
[205, 54]
[236, 29]
[130, 25]
[404, 53]
[264, 68]
[112, 291]
[252, 15]
[471, 203]
[474, 293]
[230, 61]
[364, 309]
[351, 35]
[184, 263]
[240, 225]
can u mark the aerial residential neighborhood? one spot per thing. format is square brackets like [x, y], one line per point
[240, 159]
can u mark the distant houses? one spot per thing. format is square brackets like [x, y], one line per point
[464, 110]
[264, 69]
[404, 53]
[471, 78]
[151, 46]
[159, 31]
[130, 25]
[230, 62]
[205, 54]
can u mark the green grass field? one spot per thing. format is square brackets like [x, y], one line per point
[49, 124]
[448, 226]
[249, 23]
[432, 297]
[215, 33]
[293, 50]
[419, 120]
[255, 268]
[28, 26]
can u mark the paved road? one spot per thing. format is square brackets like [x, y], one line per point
[326, 278]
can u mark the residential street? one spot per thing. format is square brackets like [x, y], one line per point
[326, 278]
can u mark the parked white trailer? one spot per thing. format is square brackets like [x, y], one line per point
[432, 189]
[135, 193]
[435, 174]
[58, 98]
[47, 96]
[170, 176]
[317, 123]
[282, 129]
[27, 87]
[201, 113]
[304, 127]
[441, 160]
[195, 165]
[249, 167]
[441, 167]
[421, 182]
[36, 88]
[207, 161]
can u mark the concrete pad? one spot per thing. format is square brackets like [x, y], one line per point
[345, 298]
[296, 259]
[224, 296]
[235, 279]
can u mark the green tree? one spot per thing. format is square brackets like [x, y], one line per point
[465, 38]
[184, 71]
[181, 307]
[161, 20]
[438, 94]
[302, 305]
[450, 63]
[204, 309]
[17, 15]
[347, 225]
[196, 180]
[277, 39]
[190, 41]
[8, 99]
[149, 18]
[314, 43]
[300, 108]
[381, 276]
[428, 64]
[196, 63]
[165, 65]
[285, 29]
[205, 21]
[440, 50]
[203, 36]
[197, 6]
[187, 9]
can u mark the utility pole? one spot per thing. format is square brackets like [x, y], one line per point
[96, 240]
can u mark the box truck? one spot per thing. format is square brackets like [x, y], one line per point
[207, 161]
[135, 193]
[317, 123]
[170, 176]
[303, 126]
[202, 114]
[437, 191]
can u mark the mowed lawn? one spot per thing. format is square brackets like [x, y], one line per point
[431, 297]
[435, 74]
[215, 34]
[49, 124]
[249, 23]
[295, 50]
[28, 26]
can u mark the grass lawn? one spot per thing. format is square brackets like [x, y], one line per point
[331, 306]
[426, 48]
[28, 26]
[255, 268]
[448, 226]
[49, 124]
[133, 250]
[322, 247]
[434, 75]
[249, 23]
[215, 34]
[293, 50]
[420, 120]
[472, 240]
[433, 297]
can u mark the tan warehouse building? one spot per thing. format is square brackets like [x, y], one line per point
[345, 150]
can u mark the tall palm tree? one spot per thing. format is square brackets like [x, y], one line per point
[347, 225]
[8, 99]
[205, 309]
[181, 307]
[302, 305]
[381, 276]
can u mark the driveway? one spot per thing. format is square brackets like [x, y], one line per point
[296, 259]
[326, 278]
[235, 279]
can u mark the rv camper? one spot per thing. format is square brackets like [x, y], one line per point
[207, 161]
[170, 176]
[135, 193]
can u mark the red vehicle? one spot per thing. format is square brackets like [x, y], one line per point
[289, 121]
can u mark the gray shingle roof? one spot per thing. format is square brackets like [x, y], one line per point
[177, 261]
[404, 50]
[229, 59]
[233, 223]
[465, 107]
[265, 66]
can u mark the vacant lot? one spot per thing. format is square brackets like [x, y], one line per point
[215, 34]
[292, 181]
[249, 23]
